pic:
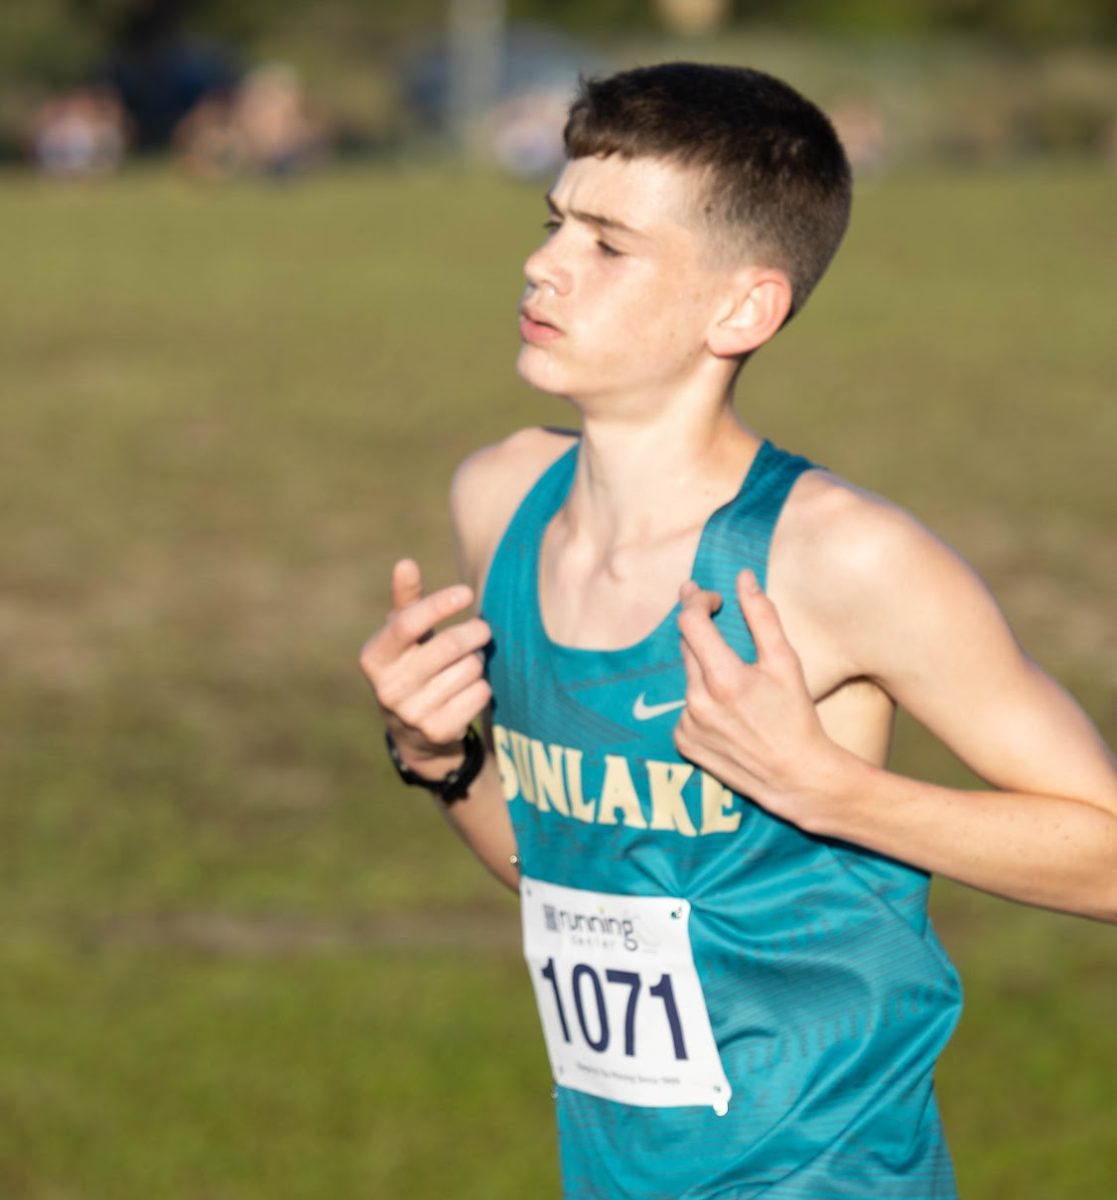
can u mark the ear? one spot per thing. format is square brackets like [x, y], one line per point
[757, 305]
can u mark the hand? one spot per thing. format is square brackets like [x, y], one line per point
[753, 726]
[429, 685]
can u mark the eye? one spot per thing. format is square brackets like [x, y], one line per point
[551, 225]
[608, 251]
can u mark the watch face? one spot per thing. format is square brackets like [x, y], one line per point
[457, 783]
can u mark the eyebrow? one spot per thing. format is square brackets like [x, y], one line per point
[592, 218]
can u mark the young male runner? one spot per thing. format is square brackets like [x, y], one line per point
[691, 648]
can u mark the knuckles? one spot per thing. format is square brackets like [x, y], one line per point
[707, 704]
[438, 733]
[726, 686]
[409, 711]
[699, 707]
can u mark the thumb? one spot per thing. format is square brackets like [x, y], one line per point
[407, 583]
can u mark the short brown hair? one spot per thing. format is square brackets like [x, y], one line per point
[776, 176]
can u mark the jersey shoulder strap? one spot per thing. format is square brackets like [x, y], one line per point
[514, 563]
[739, 536]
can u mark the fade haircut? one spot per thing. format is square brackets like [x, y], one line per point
[775, 182]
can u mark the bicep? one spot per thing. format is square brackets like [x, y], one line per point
[937, 642]
[468, 525]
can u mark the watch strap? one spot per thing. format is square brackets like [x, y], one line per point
[455, 784]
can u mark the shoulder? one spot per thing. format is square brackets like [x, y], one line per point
[870, 573]
[851, 534]
[490, 485]
[831, 523]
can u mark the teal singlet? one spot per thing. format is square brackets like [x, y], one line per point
[733, 1008]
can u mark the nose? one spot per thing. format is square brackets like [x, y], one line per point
[544, 268]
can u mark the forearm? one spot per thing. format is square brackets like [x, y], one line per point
[1038, 849]
[430, 689]
[481, 820]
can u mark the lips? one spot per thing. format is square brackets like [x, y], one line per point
[534, 328]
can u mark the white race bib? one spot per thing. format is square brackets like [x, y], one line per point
[622, 1008]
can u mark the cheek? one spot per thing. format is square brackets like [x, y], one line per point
[664, 336]
[651, 321]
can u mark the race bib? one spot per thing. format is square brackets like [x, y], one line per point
[622, 1008]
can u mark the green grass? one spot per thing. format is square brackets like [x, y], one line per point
[238, 960]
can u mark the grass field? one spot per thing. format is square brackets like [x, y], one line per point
[237, 960]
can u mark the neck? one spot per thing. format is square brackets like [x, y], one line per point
[639, 479]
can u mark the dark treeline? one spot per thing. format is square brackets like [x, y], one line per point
[1052, 58]
[1016, 22]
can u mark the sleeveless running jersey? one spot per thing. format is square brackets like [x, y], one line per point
[733, 1008]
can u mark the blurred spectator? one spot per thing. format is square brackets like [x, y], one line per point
[205, 140]
[278, 132]
[537, 74]
[160, 73]
[524, 133]
[693, 18]
[263, 126]
[80, 133]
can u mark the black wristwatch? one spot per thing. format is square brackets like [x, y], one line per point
[456, 784]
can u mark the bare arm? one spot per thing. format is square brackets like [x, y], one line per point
[429, 684]
[914, 618]
[430, 688]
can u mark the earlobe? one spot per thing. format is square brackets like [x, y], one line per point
[760, 306]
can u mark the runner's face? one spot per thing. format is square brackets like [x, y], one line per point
[622, 292]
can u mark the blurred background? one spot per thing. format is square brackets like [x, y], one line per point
[261, 263]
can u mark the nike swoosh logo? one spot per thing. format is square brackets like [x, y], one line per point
[645, 712]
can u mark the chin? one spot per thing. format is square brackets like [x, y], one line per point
[539, 372]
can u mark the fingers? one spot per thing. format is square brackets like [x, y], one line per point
[699, 635]
[401, 671]
[448, 647]
[411, 625]
[429, 685]
[452, 720]
[763, 620]
[407, 583]
[690, 665]
[442, 708]
[407, 589]
[691, 593]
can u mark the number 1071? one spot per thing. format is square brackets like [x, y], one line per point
[586, 982]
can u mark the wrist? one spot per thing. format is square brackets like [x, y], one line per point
[453, 782]
[835, 793]
[429, 761]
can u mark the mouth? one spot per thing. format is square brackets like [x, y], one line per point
[534, 329]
